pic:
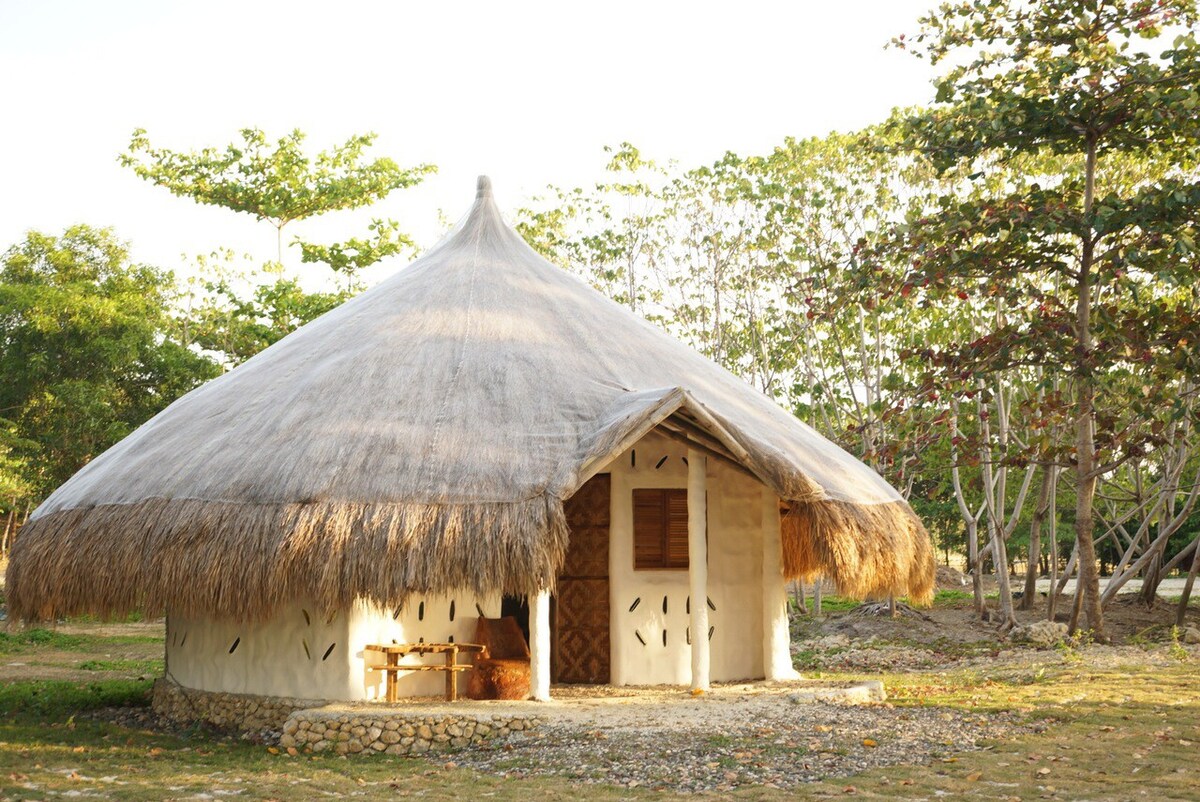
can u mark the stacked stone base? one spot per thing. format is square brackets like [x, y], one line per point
[313, 725]
[239, 712]
[352, 732]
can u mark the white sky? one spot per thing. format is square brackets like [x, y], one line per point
[527, 92]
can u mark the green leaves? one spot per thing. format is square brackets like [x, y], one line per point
[354, 255]
[276, 182]
[1049, 74]
[1037, 87]
[235, 313]
[281, 183]
[86, 351]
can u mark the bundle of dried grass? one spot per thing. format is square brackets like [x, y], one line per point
[421, 438]
[870, 551]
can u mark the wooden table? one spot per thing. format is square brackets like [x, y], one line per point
[394, 651]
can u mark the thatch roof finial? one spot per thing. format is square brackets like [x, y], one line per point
[483, 189]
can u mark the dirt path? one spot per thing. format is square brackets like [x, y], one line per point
[950, 627]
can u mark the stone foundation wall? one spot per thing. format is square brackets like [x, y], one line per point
[394, 732]
[230, 711]
[312, 725]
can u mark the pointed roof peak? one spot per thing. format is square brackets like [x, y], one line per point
[483, 188]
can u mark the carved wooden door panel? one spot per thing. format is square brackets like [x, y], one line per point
[580, 647]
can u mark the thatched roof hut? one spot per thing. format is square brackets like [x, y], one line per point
[424, 436]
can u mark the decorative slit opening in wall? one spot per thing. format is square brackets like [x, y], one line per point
[711, 606]
[183, 640]
[307, 651]
[664, 605]
[307, 620]
[479, 610]
[328, 652]
[633, 458]
[639, 637]
[236, 642]
[685, 462]
[635, 604]
[664, 637]
[396, 615]
[420, 640]
[450, 639]
[711, 630]
[688, 634]
[687, 606]
[452, 612]
[660, 462]
[421, 611]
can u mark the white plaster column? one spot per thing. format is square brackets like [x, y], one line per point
[697, 489]
[539, 646]
[777, 653]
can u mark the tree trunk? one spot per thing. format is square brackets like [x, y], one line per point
[1085, 422]
[1072, 561]
[1151, 577]
[1181, 613]
[1076, 606]
[973, 565]
[1052, 601]
[1008, 618]
[1184, 554]
[798, 597]
[9, 522]
[817, 597]
[1035, 536]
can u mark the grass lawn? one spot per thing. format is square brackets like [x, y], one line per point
[1114, 730]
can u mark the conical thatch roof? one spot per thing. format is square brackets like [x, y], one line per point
[422, 437]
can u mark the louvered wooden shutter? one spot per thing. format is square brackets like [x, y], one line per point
[660, 530]
[677, 529]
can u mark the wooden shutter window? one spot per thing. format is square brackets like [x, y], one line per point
[660, 529]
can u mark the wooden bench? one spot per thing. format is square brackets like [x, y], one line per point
[394, 651]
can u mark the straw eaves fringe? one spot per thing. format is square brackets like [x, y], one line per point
[242, 561]
[870, 551]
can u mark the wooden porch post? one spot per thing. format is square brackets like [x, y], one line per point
[539, 646]
[697, 488]
[777, 654]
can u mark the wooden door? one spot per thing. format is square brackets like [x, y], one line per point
[581, 640]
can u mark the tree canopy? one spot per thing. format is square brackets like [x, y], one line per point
[85, 350]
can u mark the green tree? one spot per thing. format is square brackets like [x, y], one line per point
[14, 486]
[1095, 280]
[236, 313]
[280, 183]
[610, 233]
[84, 350]
[349, 258]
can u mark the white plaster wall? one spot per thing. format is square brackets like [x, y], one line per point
[735, 547]
[370, 624]
[315, 654]
[270, 657]
[735, 571]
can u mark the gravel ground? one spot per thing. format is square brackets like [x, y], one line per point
[720, 744]
[664, 738]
